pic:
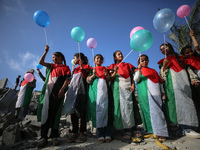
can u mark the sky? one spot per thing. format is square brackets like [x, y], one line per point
[110, 22]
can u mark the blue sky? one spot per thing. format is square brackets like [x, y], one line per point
[110, 22]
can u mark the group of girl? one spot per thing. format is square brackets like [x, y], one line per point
[105, 95]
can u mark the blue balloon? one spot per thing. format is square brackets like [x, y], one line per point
[141, 40]
[39, 66]
[77, 34]
[41, 18]
[164, 20]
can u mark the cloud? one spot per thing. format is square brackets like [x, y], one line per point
[23, 62]
[13, 6]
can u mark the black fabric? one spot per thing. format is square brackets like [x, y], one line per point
[81, 99]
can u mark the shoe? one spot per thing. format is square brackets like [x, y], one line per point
[56, 141]
[192, 134]
[101, 139]
[42, 142]
[108, 139]
[81, 138]
[72, 137]
[127, 136]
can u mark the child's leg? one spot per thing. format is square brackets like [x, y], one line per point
[82, 137]
[101, 135]
[108, 133]
[75, 126]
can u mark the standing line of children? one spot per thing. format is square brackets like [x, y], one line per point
[168, 100]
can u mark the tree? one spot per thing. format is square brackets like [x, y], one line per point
[180, 32]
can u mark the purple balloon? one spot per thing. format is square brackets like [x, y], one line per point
[91, 43]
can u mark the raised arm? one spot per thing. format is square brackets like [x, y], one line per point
[44, 56]
[194, 40]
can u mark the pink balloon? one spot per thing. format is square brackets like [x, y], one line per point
[183, 11]
[91, 43]
[28, 77]
[135, 29]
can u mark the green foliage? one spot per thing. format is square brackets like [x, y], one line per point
[180, 33]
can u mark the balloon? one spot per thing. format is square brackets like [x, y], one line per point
[91, 43]
[183, 11]
[141, 40]
[28, 77]
[41, 18]
[39, 66]
[135, 29]
[163, 20]
[72, 62]
[77, 34]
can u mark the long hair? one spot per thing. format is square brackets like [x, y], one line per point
[172, 52]
[83, 57]
[114, 55]
[59, 54]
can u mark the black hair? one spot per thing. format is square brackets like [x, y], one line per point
[83, 57]
[114, 55]
[184, 49]
[141, 56]
[98, 55]
[181, 62]
[59, 54]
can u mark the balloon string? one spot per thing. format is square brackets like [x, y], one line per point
[125, 57]
[187, 22]
[45, 36]
[93, 57]
[79, 51]
[164, 45]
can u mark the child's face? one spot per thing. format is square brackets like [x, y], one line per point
[57, 59]
[76, 60]
[188, 53]
[118, 56]
[163, 47]
[144, 61]
[98, 60]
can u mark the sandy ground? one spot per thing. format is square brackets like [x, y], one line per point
[149, 144]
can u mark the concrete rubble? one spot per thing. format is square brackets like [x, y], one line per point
[23, 134]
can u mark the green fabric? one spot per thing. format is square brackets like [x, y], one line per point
[116, 96]
[170, 103]
[92, 101]
[144, 103]
[41, 97]
[28, 94]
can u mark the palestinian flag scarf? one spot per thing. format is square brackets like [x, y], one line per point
[149, 95]
[48, 102]
[179, 106]
[25, 94]
[97, 104]
[76, 96]
[194, 63]
[123, 102]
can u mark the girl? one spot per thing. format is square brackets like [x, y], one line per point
[76, 98]
[179, 105]
[149, 95]
[98, 100]
[24, 96]
[122, 87]
[193, 60]
[50, 101]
